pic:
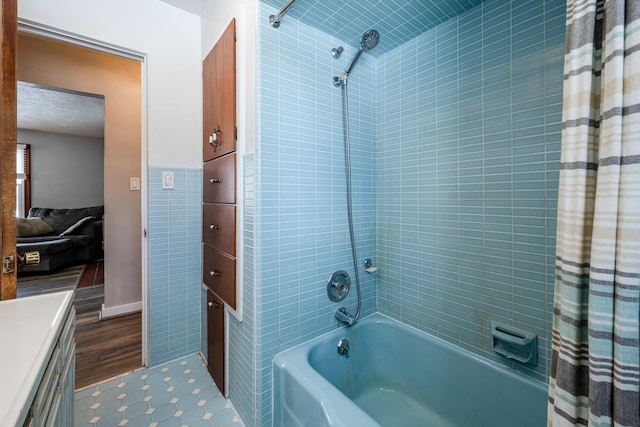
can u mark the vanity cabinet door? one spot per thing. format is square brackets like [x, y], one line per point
[54, 401]
[215, 338]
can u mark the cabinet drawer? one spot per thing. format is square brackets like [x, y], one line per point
[219, 227]
[52, 417]
[68, 365]
[219, 180]
[219, 274]
[66, 337]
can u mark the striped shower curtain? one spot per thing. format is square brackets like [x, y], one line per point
[595, 372]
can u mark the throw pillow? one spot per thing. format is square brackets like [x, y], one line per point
[77, 225]
[29, 227]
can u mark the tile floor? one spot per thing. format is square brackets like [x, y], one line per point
[179, 393]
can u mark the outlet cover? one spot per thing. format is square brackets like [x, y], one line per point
[167, 181]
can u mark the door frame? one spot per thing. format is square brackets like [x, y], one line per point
[8, 118]
[34, 28]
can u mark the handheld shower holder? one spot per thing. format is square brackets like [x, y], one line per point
[338, 80]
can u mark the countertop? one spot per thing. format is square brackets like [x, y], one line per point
[28, 331]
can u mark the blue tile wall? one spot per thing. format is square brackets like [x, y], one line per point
[175, 271]
[468, 136]
[301, 229]
[455, 149]
[242, 335]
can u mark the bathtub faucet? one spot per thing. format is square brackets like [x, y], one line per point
[343, 316]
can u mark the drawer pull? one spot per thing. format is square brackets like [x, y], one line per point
[214, 227]
[215, 181]
[215, 273]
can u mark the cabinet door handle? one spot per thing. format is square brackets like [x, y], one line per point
[215, 181]
[214, 273]
[214, 139]
[214, 227]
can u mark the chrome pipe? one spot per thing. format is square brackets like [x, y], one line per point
[274, 20]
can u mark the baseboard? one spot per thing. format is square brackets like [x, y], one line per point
[120, 310]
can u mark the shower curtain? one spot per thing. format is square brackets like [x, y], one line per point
[595, 375]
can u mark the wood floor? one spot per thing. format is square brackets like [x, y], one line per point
[65, 279]
[104, 348]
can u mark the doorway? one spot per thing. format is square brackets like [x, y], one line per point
[44, 61]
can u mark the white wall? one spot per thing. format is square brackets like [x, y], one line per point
[170, 39]
[67, 171]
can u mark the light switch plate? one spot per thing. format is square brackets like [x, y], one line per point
[167, 181]
[134, 184]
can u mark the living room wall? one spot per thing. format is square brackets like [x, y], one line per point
[67, 171]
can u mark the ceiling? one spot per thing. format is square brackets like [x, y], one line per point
[193, 6]
[397, 21]
[53, 110]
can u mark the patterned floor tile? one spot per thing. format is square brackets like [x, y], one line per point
[180, 393]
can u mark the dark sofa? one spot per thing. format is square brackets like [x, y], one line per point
[76, 238]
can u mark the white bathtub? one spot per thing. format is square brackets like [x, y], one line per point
[397, 376]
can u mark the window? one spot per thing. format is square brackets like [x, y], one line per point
[23, 196]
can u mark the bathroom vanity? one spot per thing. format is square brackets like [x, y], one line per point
[37, 360]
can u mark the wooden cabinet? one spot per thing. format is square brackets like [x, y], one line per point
[219, 194]
[219, 102]
[219, 168]
[215, 337]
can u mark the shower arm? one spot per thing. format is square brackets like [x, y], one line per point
[274, 20]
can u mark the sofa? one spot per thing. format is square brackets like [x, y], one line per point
[63, 237]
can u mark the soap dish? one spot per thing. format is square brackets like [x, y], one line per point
[514, 343]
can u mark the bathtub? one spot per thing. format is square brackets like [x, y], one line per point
[396, 376]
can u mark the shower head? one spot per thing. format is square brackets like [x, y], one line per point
[370, 40]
